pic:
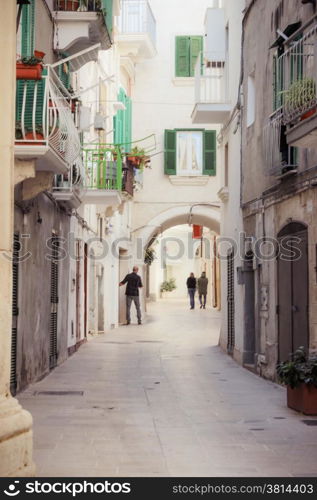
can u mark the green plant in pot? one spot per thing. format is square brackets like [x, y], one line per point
[299, 374]
[168, 285]
[301, 95]
[138, 158]
[149, 256]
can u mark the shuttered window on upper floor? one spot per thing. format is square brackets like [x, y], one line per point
[190, 152]
[122, 122]
[28, 29]
[187, 49]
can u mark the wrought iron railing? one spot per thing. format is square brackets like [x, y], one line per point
[137, 17]
[103, 167]
[44, 116]
[74, 180]
[296, 75]
[211, 80]
[78, 5]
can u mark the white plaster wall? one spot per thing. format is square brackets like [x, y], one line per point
[162, 102]
[231, 216]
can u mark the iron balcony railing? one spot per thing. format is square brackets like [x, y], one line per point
[73, 181]
[78, 5]
[296, 72]
[211, 80]
[103, 167]
[44, 116]
[137, 17]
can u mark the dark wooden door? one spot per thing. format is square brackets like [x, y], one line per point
[230, 303]
[54, 302]
[292, 309]
[78, 288]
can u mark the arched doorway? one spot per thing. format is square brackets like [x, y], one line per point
[292, 271]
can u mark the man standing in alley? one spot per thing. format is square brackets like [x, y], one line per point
[191, 286]
[202, 290]
[134, 282]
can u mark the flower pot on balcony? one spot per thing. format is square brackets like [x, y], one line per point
[134, 160]
[28, 72]
[30, 137]
[309, 113]
[303, 398]
[68, 5]
[39, 54]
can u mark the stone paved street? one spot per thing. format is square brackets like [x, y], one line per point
[161, 399]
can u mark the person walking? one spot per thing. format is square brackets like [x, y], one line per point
[134, 282]
[202, 290]
[191, 286]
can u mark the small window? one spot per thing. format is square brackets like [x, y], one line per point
[187, 49]
[190, 152]
[251, 101]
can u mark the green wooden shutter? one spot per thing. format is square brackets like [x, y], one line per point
[196, 46]
[209, 152]
[128, 124]
[27, 29]
[30, 85]
[64, 73]
[107, 8]
[170, 152]
[278, 78]
[182, 53]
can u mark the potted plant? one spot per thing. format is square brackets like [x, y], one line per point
[301, 94]
[68, 5]
[29, 135]
[149, 256]
[167, 286]
[300, 376]
[29, 68]
[138, 158]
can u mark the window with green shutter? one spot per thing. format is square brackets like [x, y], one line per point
[190, 152]
[122, 122]
[210, 148]
[28, 29]
[187, 49]
[170, 152]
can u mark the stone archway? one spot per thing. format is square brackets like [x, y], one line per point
[204, 214]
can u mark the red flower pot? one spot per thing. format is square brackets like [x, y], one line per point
[303, 398]
[39, 54]
[135, 160]
[68, 5]
[25, 72]
[29, 136]
[309, 113]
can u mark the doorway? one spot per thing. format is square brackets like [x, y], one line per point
[292, 274]
[230, 302]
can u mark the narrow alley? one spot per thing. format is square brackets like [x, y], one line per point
[161, 399]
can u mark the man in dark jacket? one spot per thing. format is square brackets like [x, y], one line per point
[134, 282]
[191, 286]
[202, 289]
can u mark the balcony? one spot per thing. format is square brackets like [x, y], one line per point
[45, 128]
[106, 176]
[137, 30]
[280, 158]
[297, 78]
[81, 24]
[211, 91]
[68, 189]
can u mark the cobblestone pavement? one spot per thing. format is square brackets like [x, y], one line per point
[161, 399]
